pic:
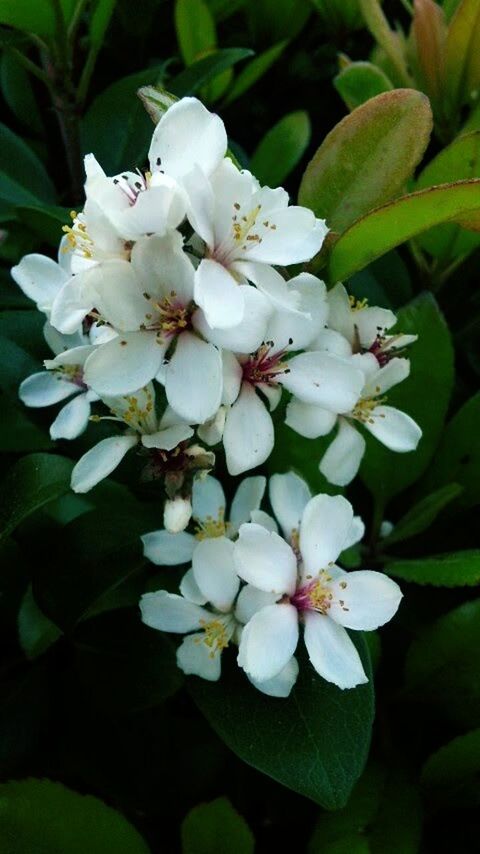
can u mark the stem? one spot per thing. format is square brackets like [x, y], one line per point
[87, 74]
[76, 18]
[419, 257]
[30, 66]
[442, 277]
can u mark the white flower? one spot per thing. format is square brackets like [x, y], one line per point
[314, 378]
[41, 279]
[394, 428]
[309, 589]
[209, 513]
[137, 411]
[246, 229]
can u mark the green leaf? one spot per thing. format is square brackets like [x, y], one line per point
[18, 93]
[156, 101]
[124, 664]
[253, 71]
[272, 20]
[201, 72]
[462, 54]
[339, 16]
[281, 149]
[459, 569]
[116, 127]
[387, 227]
[32, 482]
[23, 177]
[387, 39]
[423, 514]
[359, 82]
[195, 29]
[206, 827]
[367, 158]
[431, 377]
[46, 221]
[41, 816]
[442, 665]
[450, 776]
[17, 431]
[36, 632]
[100, 20]
[459, 161]
[458, 455]
[38, 18]
[315, 742]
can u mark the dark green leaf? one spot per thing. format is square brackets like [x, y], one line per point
[253, 71]
[359, 82]
[460, 569]
[385, 472]
[46, 221]
[100, 21]
[367, 158]
[450, 776]
[422, 514]
[206, 827]
[41, 816]
[36, 632]
[387, 227]
[315, 742]
[272, 20]
[18, 93]
[23, 177]
[38, 18]
[201, 72]
[32, 482]
[195, 29]
[281, 149]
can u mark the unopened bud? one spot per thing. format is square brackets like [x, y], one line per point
[177, 514]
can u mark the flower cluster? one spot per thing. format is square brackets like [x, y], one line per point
[170, 278]
[291, 581]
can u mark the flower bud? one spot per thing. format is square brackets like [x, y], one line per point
[177, 514]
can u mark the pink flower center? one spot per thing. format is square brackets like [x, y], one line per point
[264, 366]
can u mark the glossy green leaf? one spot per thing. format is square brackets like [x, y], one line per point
[359, 82]
[272, 20]
[18, 432]
[458, 455]
[38, 18]
[254, 71]
[115, 126]
[100, 20]
[281, 149]
[431, 377]
[204, 70]
[367, 158]
[387, 39]
[206, 827]
[18, 93]
[339, 16]
[450, 775]
[442, 665]
[195, 29]
[42, 816]
[459, 569]
[387, 227]
[315, 742]
[462, 54]
[46, 221]
[423, 513]
[124, 664]
[32, 482]
[36, 632]
[459, 161]
[23, 177]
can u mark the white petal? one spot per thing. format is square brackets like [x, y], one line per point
[177, 513]
[248, 436]
[332, 342]
[119, 296]
[322, 378]
[250, 600]
[364, 600]
[248, 497]
[40, 278]
[384, 379]
[44, 389]
[265, 520]
[194, 379]
[72, 303]
[211, 431]
[208, 499]
[325, 526]
[341, 460]
[247, 335]
[58, 342]
[232, 377]
[190, 589]
[372, 321]
[298, 236]
[214, 572]
[264, 559]
[169, 612]
[162, 268]
[74, 356]
[72, 419]
[356, 533]
[157, 209]
[268, 641]
[218, 294]
[125, 364]
[100, 461]
[282, 684]
[272, 285]
[166, 549]
[341, 316]
[332, 653]
[188, 135]
[395, 429]
[308, 419]
[169, 438]
[200, 204]
[289, 495]
[195, 658]
[296, 331]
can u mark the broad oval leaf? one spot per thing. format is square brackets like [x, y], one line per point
[385, 472]
[196, 75]
[23, 177]
[282, 147]
[205, 828]
[42, 816]
[462, 53]
[315, 742]
[367, 158]
[450, 776]
[423, 513]
[32, 482]
[36, 632]
[392, 224]
[359, 82]
[459, 569]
